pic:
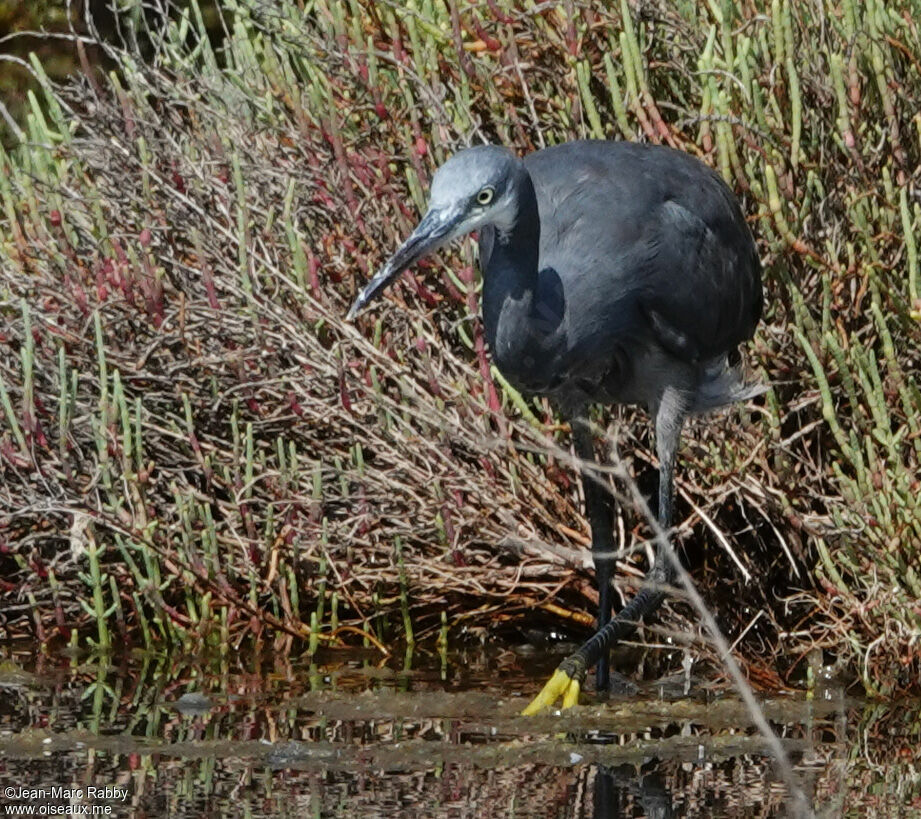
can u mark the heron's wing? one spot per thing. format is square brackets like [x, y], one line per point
[646, 240]
[699, 281]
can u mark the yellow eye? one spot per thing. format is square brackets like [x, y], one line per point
[484, 197]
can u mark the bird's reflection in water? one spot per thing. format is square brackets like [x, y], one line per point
[625, 788]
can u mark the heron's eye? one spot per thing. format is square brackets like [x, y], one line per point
[484, 197]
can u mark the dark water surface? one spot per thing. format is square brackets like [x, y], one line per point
[355, 736]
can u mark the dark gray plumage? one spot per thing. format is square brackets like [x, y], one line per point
[613, 272]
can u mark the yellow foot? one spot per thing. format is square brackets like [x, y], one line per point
[559, 685]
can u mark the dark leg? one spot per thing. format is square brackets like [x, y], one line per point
[599, 511]
[567, 680]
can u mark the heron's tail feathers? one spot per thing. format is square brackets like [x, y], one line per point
[723, 384]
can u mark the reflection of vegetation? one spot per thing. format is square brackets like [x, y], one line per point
[198, 448]
[322, 727]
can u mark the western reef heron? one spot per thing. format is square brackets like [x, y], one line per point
[613, 272]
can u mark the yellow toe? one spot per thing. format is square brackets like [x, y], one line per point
[571, 694]
[560, 685]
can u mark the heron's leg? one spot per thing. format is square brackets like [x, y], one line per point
[566, 681]
[599, 511]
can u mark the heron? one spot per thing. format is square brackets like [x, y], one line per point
[613, 273]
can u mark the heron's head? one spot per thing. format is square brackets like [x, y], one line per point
[475, 187]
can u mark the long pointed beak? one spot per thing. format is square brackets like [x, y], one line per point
[435, 229]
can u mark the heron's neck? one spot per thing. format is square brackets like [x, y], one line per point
[510, 277]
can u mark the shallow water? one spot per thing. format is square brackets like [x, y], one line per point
[356, 736]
